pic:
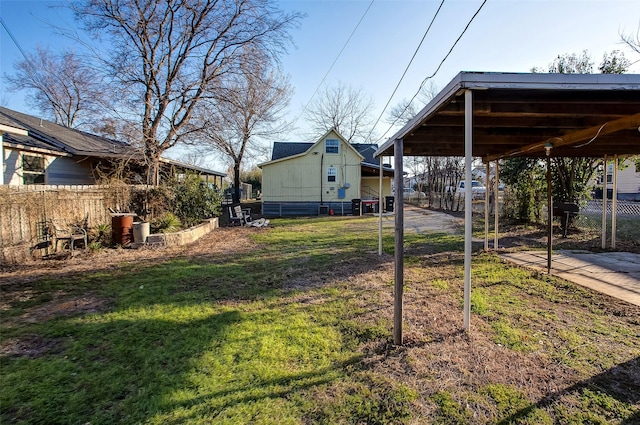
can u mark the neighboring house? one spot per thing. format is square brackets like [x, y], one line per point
[628, 176]
[36, 151]
[322, 177]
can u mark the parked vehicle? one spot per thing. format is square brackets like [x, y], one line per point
[478, 190]
[411, 194]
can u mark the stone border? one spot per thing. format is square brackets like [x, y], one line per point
[182, 237]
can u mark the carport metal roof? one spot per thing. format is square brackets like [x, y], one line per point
[499, 115]
[517, 114]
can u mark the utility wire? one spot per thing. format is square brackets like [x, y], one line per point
[436, 71]
[332, 65]
[13, 38]
[406, 68]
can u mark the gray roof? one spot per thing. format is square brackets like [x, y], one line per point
[53, 137]
[48, 135]
[367, 150]
[285, 149]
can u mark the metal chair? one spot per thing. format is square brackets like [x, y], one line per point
[69, 233]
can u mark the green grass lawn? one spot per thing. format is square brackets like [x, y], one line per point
[297, 329]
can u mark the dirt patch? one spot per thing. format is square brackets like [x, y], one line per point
[64, 307]
[219, 242]
[30, 346]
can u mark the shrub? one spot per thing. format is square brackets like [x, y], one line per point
[195, 200]
[166, 224]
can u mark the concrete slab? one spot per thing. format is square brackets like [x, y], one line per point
[419, 220]
[613, 273]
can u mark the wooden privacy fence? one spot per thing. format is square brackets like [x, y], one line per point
[22, 207]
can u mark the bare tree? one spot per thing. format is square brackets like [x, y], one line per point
[246, 109]
[632, 41]
[402, 113]
[63, 88]
[345, 109]
[407, 109]
[168, 55]
[118, 129]
[194, 158]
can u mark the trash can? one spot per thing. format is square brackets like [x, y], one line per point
[121, 226]
[356, 206]
[140, 232]
[388, 203]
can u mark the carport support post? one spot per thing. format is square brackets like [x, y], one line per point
[399, 242]
[549, 216]
[487, 191]
[380, 211]
[614, 201]
[604, 203]
[496, 193]
[468, 205]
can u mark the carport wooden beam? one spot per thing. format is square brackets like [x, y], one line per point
[590, 134]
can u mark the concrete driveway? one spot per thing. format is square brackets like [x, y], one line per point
[419, 220]
[613, 273]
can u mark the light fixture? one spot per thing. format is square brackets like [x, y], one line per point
[547, 148]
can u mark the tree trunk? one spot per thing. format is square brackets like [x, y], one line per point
[153, 173]
[236, 182]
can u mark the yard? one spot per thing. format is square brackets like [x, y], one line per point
[292, 324]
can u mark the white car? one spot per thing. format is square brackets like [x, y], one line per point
[411, 194]
[478, 190]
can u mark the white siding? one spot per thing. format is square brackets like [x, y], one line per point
[628, 177]
[58, 170]
[66, 171]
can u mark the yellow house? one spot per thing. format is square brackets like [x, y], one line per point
[330, 176]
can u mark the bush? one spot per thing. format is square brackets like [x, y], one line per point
[188, 199]
[195, 200]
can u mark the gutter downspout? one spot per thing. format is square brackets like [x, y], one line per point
[321, 179]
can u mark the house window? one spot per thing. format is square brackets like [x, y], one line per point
[332, 146]
[32, 169]
[332, 173]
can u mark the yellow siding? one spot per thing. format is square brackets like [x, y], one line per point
[304, 178]
[371, 186]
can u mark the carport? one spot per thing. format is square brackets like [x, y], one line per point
[498, 115]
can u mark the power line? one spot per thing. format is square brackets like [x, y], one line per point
[406, 68]
[13, 38]
[436, 71]
[332, 65]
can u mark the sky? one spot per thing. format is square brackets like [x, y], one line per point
[505, 36]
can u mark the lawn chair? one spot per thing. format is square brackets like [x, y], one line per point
[238, 217]
[44, 237]
[68, 233]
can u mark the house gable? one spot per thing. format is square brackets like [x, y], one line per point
[312, 172]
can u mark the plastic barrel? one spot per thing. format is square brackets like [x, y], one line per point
[140, 232]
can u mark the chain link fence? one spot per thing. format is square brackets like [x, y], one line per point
[585, 227]
[589, 222]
